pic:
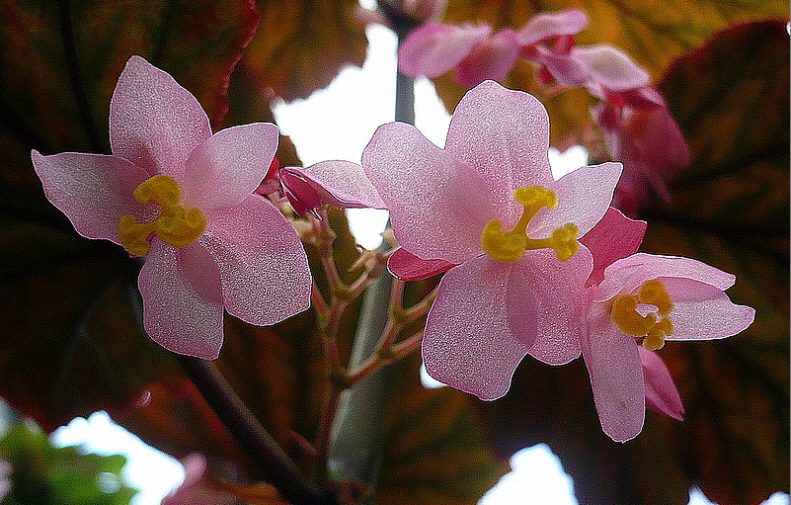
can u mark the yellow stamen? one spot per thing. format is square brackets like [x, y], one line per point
[510, 246]
[176, 225]
[624, 314]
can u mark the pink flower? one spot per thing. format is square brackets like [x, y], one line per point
[487, 203]
[641, 133]
[436, 48]
[645, 300]
[183, 198]
[339, 183]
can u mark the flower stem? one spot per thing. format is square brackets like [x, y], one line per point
[274, 465]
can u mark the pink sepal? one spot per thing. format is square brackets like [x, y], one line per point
[661, 394]
[408, 267]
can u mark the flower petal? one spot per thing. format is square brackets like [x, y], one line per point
[627, 274]
[154, 122]
[614, 237]
[703, 312]
[438, 205]
[558, 286]
[609, 68]
[342, 184]
[550, 25]
[491, 59]
[584, 196]
[93, 190]
[435, 48]
[616, 375]
[182, 301]
[661, 394]
[408, 267]
[469, 343]
[226, 168]
[504, 136]
[263, 267]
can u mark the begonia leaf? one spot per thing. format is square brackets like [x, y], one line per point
[652, 33]
[301, 46]
[729, 209]
[71, 339]
[434, 451]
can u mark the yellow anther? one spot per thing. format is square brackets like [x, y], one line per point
[624, 314]
[176, 225]
[654, 292]
[510, 246]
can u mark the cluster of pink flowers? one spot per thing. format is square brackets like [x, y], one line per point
[639, 131]
[532, 265]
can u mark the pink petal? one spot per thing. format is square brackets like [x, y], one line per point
[703, 312]
[661, 394]
[182, 301]
[609, 68]
[438, 204]
[469, 343]
[226, 168]
[408, 267]
[93, 190]
[492, 59]
[563, 67]
[301, 195]
[504, 135]
[584, 196]
[342, 184]
[559, 289]
[627, 274]
[614, 237]
[550, 25]
[435, 48]
[616, 375]
[154, 122]
[263, 267]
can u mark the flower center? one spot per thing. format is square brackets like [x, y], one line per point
[631, 322]
[176, 225]
[510, 246]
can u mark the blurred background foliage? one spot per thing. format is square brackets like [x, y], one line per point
[71, 341]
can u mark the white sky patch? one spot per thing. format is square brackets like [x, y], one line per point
[153, 473]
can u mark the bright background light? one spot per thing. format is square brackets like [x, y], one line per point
[336, 123]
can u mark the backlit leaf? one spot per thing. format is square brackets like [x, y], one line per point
[301, 46]
[71, 341]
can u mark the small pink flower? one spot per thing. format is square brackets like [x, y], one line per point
[641, 133]
[645, 300]
[183, 197]
[195, 490]
[487, 203]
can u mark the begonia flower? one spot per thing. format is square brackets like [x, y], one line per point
[195, 489]
[474, 53]
[487, 203]
[182, 197]
[641, 134]
[645, 300]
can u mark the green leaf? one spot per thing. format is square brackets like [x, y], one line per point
[70, 337]
[730, 208]
[434, 451]
[43, 474]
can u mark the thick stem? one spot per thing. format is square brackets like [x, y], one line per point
[274, 465]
